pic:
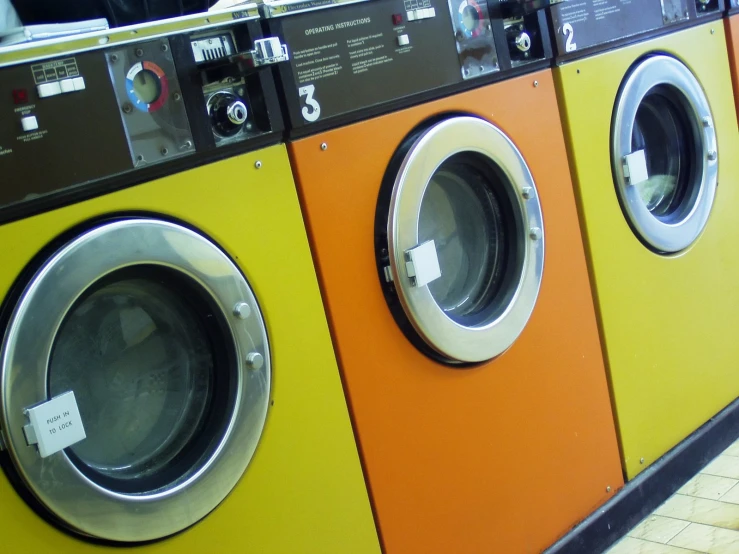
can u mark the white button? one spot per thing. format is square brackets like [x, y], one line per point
[67, 85]
[432, 12]
[411, 15]
[79, 83]
[403, 40]
[29, 123]
[49, 89]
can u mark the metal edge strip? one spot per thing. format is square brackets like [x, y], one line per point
[643, 494]
[33, 51]
[281, 8]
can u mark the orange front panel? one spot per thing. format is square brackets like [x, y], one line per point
[731, 25]
[503, 458]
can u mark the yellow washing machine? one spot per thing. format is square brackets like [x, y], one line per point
[166, 371]
[652, 135]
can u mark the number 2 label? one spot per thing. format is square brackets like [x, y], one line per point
[312, 109]
[569, 32]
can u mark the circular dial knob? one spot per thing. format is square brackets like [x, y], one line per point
[522, 41]
[227, 112]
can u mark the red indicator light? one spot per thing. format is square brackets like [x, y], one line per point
[20, 96]
[397, 19]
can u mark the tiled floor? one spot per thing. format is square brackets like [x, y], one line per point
[703, 516]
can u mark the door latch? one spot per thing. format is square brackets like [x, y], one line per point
[635, 167]
[266, 51]
[422, 264]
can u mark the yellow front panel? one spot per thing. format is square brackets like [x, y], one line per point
[304, 490]
[669, 323]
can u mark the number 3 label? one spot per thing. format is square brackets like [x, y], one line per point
[312, 109]
[569, 32]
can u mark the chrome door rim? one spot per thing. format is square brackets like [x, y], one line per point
[440, 142]
[665, 237]
[78, 502]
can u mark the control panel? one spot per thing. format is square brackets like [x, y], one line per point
[346, 58]
[82, 118]
[587, 24]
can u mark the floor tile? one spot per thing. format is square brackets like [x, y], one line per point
[708, 486]
[711, 540]
[732, 495]
[733, 450]
[658, 529]
[700, 510]
[723, 466]
[630, 545]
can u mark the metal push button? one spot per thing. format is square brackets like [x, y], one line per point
[403, 40]
[49, 89]
[29, 123]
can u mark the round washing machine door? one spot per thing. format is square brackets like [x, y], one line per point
[135, 380]
[664, 154]
[461, 240]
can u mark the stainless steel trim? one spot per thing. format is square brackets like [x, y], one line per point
[85, 506]
[38, 50]
[281, 8]
[449, 338]
[681, 231]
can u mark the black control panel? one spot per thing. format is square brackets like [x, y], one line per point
[579, 26]
[732, 6]
[80, 124]
[379, 55]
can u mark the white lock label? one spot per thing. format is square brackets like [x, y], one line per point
[56, 424]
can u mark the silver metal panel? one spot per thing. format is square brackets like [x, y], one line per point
[86, 506]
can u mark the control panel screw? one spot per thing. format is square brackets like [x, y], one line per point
[139, 52]
[177, 96]
[608, 489]
[258, 164]
[712, 155]
[242, 310]
[324, 146]
[188, 144]
[713, 31]
[113, 58]
[641, 460]
[164, 151]
[535, 233]
[526, 192]
[165, 47]
[254, 360]
[139, 158]
[706, 121]
[482, 68]
[536, 84]
[127, 108]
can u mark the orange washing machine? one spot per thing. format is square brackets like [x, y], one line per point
[431, 166]
[731, 24]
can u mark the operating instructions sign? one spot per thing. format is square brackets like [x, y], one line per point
[358, 56]
[582, 24]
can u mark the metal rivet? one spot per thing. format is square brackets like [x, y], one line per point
[712, 155]
[707, 122]
[535, 233]
[139, 52]
[103, 40]
[164, 151]
[526, 192]
[713, 31]
[641, 460]
[578, 71]
[139, 158]
[536, 83]
[165, 47]
[188, 144]
[608, 489]
[127, 108]
[324, 146]
[242, 310]
[482, 68]
[114, 58]
[258, 164]
[177, 96]
[254, 360]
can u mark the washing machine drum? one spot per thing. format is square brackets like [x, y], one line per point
[664, 156]
[460, 240]
[135, 381]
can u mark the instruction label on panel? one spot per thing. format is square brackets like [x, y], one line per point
[55, 425]
[581, 24]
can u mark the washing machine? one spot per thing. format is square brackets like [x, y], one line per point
[651, 128]
[167, 376]
[431, 167]
[731, 26]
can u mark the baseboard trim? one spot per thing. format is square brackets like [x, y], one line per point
[643, 494]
